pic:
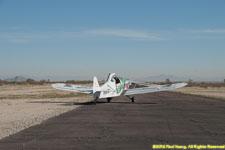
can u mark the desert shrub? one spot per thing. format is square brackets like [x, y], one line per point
[78, 82]
[31, 81]
[206, 84]
[190, 81]
[42, 82]
[168, 81]
[1, 82]
[21, 83]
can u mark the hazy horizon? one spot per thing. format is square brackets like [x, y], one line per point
[153, 78]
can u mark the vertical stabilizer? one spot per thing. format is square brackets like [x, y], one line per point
[96, 86]
[96, 89]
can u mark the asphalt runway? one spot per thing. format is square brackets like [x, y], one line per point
[155, 118]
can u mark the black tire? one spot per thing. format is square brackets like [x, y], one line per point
[109, 100]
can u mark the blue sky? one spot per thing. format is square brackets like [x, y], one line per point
[64, 40]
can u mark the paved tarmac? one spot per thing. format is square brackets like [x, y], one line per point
[155, 118]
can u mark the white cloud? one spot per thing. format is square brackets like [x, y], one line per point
[24, 37]
[14, 38]
[126, 33]
[209, 31]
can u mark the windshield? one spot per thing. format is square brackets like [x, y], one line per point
[108, 78]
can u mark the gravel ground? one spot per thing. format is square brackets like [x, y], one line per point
[20, 113]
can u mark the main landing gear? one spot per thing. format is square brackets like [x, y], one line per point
[95, 101]
[109, 99]
[131, 98]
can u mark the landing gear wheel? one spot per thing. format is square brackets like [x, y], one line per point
[109, 100]
[132, 99]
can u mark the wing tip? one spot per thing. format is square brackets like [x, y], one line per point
[179, 85]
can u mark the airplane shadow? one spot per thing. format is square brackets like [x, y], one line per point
[120, 102]
[65, 103]
[92, 103]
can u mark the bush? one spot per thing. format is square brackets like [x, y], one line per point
[190, 81]
[78, 82]
[1, 82]
[168, 81]
[31, 81]
[42, 82]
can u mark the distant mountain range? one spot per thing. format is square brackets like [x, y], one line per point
[16, 79]
[162, 78]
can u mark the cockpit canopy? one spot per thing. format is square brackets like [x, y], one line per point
[113, 78]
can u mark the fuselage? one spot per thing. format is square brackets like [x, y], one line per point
[114, 86]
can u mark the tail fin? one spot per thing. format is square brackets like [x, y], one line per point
[96, 86]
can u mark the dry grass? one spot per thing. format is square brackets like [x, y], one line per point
[205, 84]
[212, 92]
[43, 82]
[44, 96]
[35, 92]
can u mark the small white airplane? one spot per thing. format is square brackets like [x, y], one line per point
[113, 87]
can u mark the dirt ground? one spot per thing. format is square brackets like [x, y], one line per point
[22, 106]
[213, 92]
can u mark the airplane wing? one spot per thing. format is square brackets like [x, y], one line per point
[155, 88]
[73, 88]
